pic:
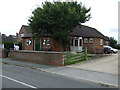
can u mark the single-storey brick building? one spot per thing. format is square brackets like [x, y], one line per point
[81, 37]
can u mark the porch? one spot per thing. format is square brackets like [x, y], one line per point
[76, 44]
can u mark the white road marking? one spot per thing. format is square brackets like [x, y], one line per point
[18, 81]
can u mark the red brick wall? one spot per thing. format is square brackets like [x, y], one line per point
[105, 42]
[94, 47]
[54, 45]
[41, 57]
[3, 53]
[28, 47]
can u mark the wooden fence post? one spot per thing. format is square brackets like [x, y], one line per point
[85, 53]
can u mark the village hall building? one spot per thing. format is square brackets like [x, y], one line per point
[81, 37]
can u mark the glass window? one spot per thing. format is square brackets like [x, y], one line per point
[28, 42]
[85, 40]
[101, 42]
[44, 42]
[90, 40]
[106, 42]
[76, 42]
[80, 42]
[47, 41]
[22, 35]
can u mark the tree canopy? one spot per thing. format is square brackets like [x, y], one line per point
[56, 20]
[113, 42]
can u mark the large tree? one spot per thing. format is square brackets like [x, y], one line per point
[57, 20]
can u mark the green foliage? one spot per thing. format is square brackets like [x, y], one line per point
[8, 45]
[117, 46]
[113, 42]
[56, 20]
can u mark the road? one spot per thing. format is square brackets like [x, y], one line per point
[21, 77]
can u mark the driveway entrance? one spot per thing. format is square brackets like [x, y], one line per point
[107, 64]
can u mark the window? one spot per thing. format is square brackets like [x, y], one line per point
[47, 41]
[80, 42]
[44, 42]
[106, 42]
[76, 42]
[28, 42]
[1, 46]
[101, 42]
[22, 35]
[85, 40]
[90, 40]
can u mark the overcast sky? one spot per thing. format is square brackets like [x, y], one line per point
[15, 13]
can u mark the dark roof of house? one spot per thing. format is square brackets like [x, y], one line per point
[27, 28]
[8, 38]
[27, 35]
[79, 31]
[85, 31]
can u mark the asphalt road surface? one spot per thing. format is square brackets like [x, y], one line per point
[20, 77]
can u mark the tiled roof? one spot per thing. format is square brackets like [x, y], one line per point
[27, 28]
[8, 38]
[80, 31]
[85, 31]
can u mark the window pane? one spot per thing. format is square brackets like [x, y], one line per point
[90, 40]
[101, 42]
[85, 40]
[76, 42]
[80, 42]
[48, 41]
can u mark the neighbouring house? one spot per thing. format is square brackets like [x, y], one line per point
[81, 37]
[6, 43]
[25, 30]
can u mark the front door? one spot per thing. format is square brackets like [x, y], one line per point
[76, 45]
[37, 44]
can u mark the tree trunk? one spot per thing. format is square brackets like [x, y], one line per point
[61, 46]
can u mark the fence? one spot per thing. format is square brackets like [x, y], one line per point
[71, 58]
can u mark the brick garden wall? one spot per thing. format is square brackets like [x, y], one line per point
[3, 53]
[41, 57]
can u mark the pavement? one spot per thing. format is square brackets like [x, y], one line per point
[106, 64]
[105, 79]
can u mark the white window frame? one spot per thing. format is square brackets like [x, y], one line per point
[27, 41]
[86, 40]
[77, 42]
[90, 40]
[47, 40]
[22, 35]
[101, 42]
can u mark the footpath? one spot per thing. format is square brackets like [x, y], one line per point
[105, 79]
